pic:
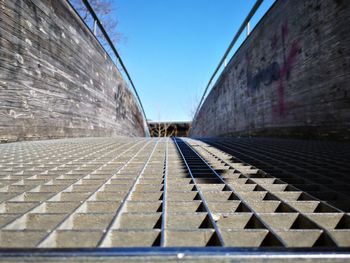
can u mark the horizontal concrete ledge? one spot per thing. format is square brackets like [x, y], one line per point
[299, 132]
[180, 252]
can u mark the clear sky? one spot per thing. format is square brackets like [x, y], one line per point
[171, 48]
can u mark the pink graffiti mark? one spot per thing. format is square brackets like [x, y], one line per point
[284, 72]
[285, 29]
[288, 63]
[247, 58]
[284, 68]
[274, 41]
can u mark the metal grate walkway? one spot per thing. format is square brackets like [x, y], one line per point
[139, 192]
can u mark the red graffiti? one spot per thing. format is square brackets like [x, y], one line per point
[288, 63]
[284, 73]
[274, 41]
[285, 30]
[274, 70]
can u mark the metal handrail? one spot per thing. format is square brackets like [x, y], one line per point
[244, 25]
[98, 23]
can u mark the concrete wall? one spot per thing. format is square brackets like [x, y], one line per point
[291, 77]
[55, 78]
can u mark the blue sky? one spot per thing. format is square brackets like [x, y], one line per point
[171, 48]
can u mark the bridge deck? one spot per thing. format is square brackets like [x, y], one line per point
[142, 192]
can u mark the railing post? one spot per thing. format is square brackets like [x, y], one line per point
[95, 27]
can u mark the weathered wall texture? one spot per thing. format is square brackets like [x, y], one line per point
[291, 77]
[55, 78]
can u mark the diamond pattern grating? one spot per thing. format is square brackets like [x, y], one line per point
[124, 192]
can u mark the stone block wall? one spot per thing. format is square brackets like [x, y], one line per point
[55, 78]
[291, 76]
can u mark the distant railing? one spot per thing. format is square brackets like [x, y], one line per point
[97, 24]
[223, 61]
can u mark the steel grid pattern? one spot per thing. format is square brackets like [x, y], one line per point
[142, 192]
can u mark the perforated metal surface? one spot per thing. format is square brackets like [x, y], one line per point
[124, 192]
